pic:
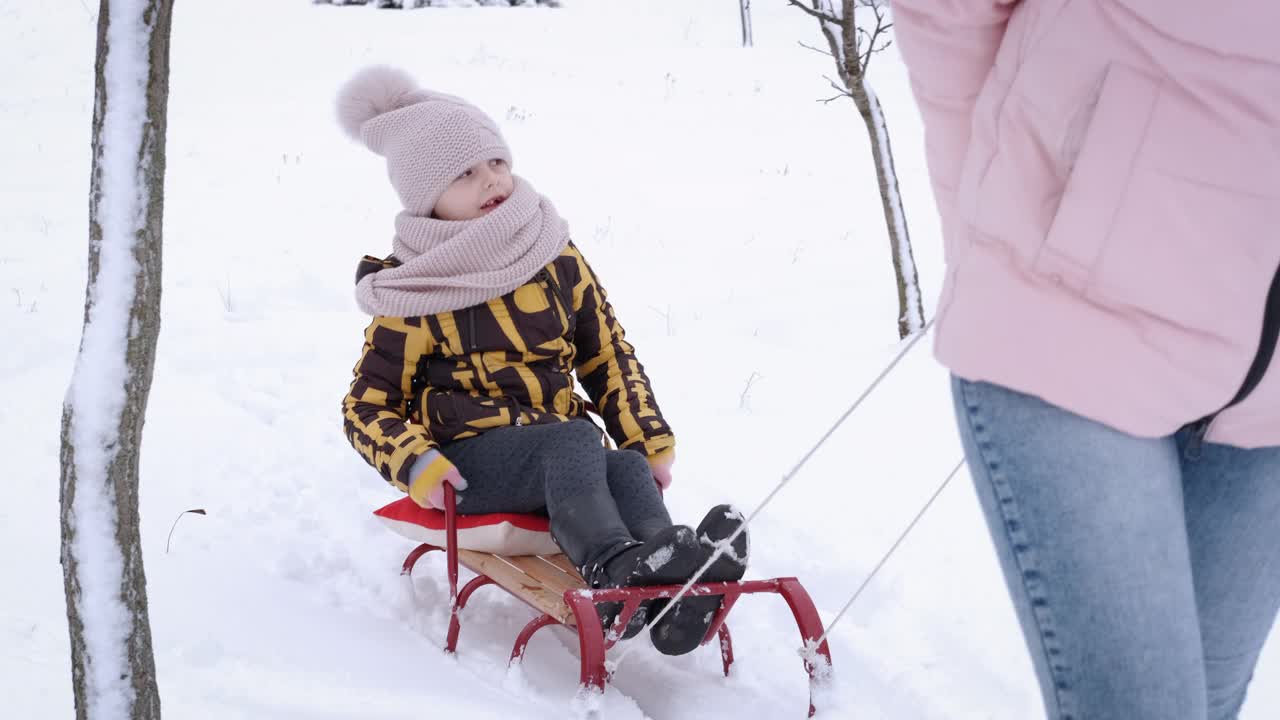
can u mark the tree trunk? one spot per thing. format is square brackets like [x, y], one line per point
[744, 9]
[842, 38]
[112, 665]
[910, 306]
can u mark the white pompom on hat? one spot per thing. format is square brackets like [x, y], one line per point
[428, 138]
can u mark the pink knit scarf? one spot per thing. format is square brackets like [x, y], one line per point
[450, 265]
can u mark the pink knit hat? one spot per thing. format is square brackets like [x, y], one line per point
[428, 138]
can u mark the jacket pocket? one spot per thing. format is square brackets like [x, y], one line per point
[454, 415]
[439, 412]
[484, 413]
[1170, 209]
[1194, 252]
[1100, 149]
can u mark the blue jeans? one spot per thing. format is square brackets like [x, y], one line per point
[1145, 575]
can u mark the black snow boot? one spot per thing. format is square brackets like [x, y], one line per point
[589, 530]
[683, 628]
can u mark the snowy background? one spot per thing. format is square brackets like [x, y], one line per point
[736, 224]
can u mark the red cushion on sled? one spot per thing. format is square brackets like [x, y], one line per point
[500, 533]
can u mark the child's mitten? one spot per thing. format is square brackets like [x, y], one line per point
[430, 472]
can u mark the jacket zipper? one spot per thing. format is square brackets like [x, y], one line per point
[1261, 362]
[471, 323]
[545, 275]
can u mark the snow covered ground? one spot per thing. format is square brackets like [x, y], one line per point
[736, 224]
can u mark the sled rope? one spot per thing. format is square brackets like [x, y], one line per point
[726, 544]
[871, 576]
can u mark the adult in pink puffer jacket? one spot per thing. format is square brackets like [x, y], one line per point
[1108, 178]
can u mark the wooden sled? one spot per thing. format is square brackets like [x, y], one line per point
[552, 586]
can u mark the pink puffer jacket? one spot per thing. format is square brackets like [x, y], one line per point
[1108, 178]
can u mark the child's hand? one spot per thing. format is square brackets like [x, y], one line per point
[430, 473]
[661, 464]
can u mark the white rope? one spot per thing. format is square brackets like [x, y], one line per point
[726, 544]
[887, 555]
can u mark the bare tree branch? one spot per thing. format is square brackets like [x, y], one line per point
[834, 33]
[820, 15]
[866, 57]
[820, 51]
[864, 40]
[841, 90]
[881, 28]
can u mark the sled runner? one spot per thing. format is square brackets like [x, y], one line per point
[548, 582]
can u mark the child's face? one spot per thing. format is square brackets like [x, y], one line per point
[483, 187]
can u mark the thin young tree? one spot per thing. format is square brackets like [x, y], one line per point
[851, 45]
[112, 665]
[744, 12]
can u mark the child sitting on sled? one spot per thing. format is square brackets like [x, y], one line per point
[480, 318]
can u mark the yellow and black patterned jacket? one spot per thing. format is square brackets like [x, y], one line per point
[425, 381]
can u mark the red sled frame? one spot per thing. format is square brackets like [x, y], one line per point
[592, 641]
